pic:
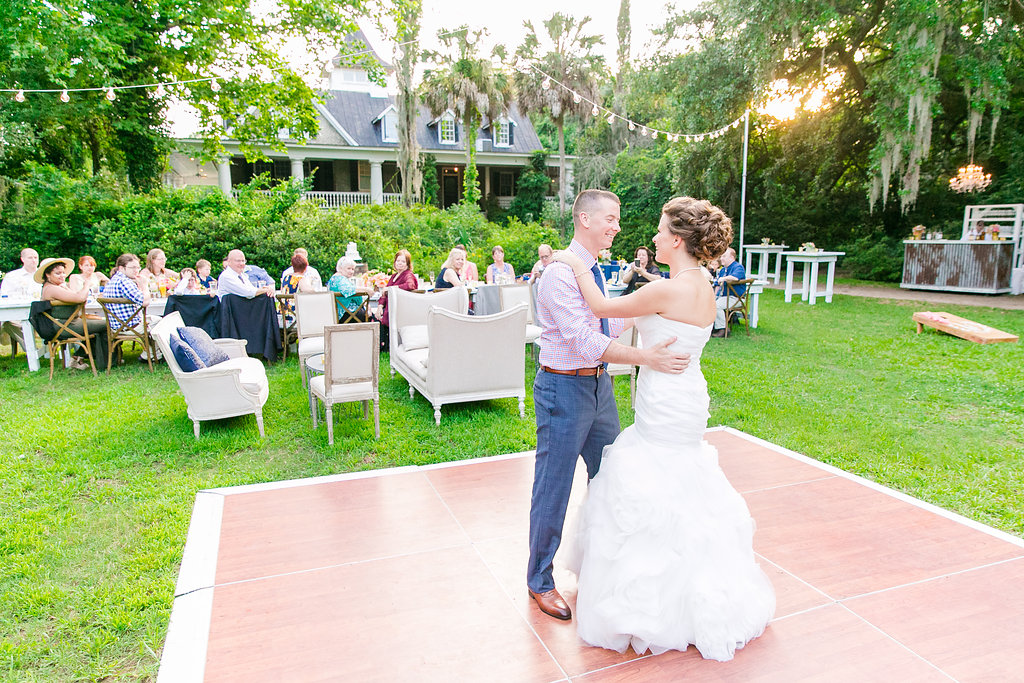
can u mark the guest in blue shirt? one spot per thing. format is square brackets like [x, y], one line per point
[731, 271]
[343, 282]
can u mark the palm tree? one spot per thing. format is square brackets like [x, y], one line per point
[471, 87]
[569, 61]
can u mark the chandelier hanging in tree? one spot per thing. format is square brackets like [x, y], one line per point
[970, 178]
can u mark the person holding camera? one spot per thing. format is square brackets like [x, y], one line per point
[640, 272]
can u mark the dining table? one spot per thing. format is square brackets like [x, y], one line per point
[16, 310]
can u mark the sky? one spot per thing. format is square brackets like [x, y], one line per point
[504, 24]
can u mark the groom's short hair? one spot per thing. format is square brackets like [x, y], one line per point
[588, 200]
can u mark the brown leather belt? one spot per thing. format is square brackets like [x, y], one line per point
[581, 372]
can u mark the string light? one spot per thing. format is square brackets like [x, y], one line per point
[546, 84]
[64, 97]
[215, 85]
[643, 131]
[576, 97]
[594, 111]
[110, 95]
[632, 126]
[654, 135]
[160, 91]
[20, 96]
[611, 118]
[399, 55]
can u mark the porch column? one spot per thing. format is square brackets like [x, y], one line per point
[486, 172]
[224, 174]
[297, 174]
[376, 183]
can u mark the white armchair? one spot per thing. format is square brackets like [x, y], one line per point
[466, 358]
[238, 386]
[514, 295]
[408, 311]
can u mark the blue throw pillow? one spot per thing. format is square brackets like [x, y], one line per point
[203, 345]
[188, 360]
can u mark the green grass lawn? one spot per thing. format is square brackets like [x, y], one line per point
[99, 474]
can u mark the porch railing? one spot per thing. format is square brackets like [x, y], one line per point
[334, 200]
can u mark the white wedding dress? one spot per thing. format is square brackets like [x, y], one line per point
[663, 548]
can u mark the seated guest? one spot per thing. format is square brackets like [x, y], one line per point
[203, 268]
[450, 269]
[259, 277]
[299, 278]
[403, 279]
[128, 283]
[499, 271]
[731, 271]
[640, 271]
[343, 282]
[234, 279]
[544, 253]
[156, 272]
[21, 283]
[94, 280]
[52, 274]
[468, 272]
[189, 283]
[312, 274]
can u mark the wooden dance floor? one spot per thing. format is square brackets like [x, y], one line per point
[418, 574]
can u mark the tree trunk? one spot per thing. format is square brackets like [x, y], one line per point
[561, 175]
[408, 108]
[470, 186]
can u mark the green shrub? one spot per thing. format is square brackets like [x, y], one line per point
[874, 257]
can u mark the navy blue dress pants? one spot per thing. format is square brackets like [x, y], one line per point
[576, 416]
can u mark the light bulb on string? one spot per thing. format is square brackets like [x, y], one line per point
[64, 97]
[111, 95]
[654, 135]
[632, 126]
[19, 96]
[214, 85]
[546, 84]
[643, 131]
[399, 55]
[611, 118]
[576, 98]
[594, 111]
[160, 91]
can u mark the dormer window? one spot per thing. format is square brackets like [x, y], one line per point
[389, 127]
[446, 130]
[501, 133]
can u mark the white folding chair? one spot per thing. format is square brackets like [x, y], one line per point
[313, 312]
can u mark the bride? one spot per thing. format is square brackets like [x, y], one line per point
[664, 546]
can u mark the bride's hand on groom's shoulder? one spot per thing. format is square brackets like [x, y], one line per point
[568, 258]
[663, 359]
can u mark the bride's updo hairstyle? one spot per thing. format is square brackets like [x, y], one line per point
[705, 228]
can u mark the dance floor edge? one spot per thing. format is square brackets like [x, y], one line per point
[418, 572]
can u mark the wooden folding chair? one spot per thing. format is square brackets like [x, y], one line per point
[120, 331]
[739, 305]
[63, 318]
[348, 316]
[289, 321]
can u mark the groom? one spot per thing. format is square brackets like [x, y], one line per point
[572, 394]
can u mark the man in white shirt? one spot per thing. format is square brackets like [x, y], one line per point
[21, 284]
[312, 273]
[234, 280]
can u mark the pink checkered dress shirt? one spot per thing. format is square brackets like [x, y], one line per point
[571, 334]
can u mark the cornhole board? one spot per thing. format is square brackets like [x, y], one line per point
[962, 327]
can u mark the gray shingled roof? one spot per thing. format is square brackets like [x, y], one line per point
[355, 111]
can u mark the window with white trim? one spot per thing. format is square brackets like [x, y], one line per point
[446, 130]
[501, 137]
[389, 127]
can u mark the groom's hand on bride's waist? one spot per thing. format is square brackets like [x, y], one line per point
[659, 357]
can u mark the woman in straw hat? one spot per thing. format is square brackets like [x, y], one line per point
[52, 274]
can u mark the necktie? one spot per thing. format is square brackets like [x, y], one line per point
[596, 270]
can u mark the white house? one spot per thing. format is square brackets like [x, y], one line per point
[354, 157]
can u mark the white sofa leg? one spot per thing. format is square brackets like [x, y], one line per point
[522, 406]
[195, 427]
[259, 422]
[329, 416]
[410, 391]
[437, 414]
[366, 408]
[376, 418]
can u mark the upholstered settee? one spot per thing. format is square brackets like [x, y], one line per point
[237, 386]
[455, 357]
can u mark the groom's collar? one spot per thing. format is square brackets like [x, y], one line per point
[584, 255]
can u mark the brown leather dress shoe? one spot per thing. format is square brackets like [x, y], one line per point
[718, 333]
[552, 604]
